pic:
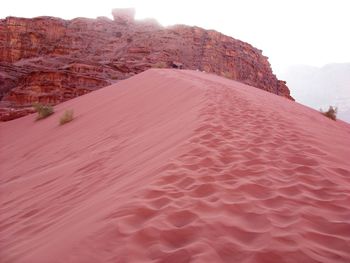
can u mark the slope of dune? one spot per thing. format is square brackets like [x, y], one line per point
[176, 166]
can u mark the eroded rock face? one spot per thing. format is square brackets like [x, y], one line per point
[51, 60]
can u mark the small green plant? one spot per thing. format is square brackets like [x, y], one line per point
[67, 116]
[331, 113]
[43, 111]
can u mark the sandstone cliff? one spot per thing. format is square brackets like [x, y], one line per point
[51, 60]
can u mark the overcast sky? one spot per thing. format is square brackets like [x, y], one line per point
[312, 32]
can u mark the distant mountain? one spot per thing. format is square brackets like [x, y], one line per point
[321, 87]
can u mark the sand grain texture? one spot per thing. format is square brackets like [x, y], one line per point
[176, 166]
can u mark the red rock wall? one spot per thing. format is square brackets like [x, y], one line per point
[52, 60]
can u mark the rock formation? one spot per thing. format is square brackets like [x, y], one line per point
[50, 60]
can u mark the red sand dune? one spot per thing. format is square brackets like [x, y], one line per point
[176, 166]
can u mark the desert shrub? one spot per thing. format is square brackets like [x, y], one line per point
[67, 117]
[331, 113]
[43, 110]
[160, 64]
[228, 75]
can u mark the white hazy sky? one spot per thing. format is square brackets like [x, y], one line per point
[312, 32]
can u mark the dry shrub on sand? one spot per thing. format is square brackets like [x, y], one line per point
[67, 116]
[160, 64]
[331, 113]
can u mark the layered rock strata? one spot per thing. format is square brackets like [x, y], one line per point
[51, 60]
